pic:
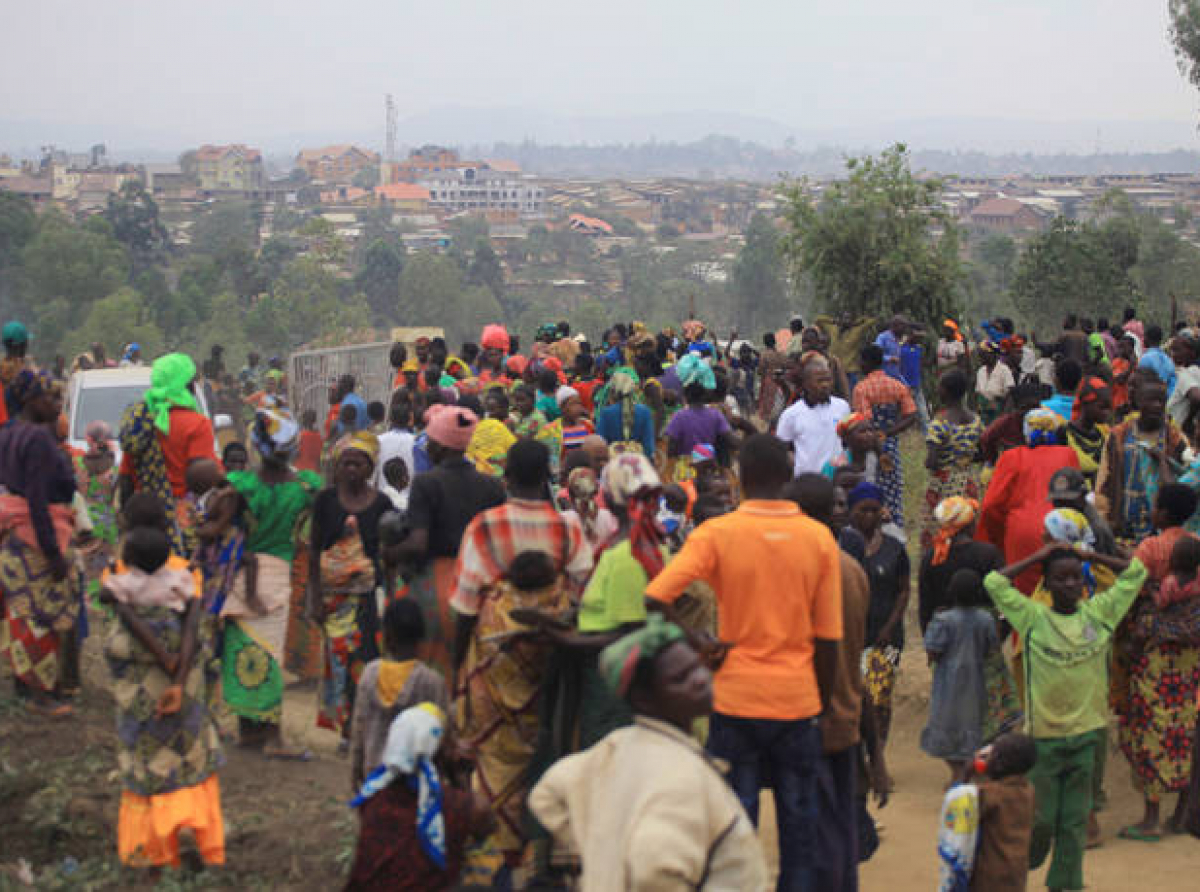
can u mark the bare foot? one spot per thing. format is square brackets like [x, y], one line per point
[1094, 839]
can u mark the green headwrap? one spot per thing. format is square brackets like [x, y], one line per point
[15, 333]
[620, 660]
[169, 379]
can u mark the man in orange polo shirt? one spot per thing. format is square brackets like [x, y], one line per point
[777, 577]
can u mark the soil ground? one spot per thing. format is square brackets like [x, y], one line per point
[288, 826]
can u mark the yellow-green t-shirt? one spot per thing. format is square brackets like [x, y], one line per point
[1066, 655]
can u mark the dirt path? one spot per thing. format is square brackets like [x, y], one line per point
[907, 857]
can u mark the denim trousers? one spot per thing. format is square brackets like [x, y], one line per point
[791, 752]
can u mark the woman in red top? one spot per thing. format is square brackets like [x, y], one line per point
[161, 436]
[1017, 500]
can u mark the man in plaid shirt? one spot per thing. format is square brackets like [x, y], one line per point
[526, 522]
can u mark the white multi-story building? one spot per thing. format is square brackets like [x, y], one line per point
[484, 188]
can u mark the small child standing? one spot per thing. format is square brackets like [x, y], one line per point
[1066, 650]
[390, 685]
[308, 458]
[958, 641]
[984, 836]
[168, 757]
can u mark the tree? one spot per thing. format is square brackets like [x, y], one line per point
[133, 215]
[999, 254]
[476, 307]
[78, 263]
[226, 227]
[1184, 29]
[429, 288]
[276, 252]
[876, 243]
[324, 242]
[759, 281]
[17, 226]
[485, 269]
[468, 231]
[1075, 268]
[379, 278]
[120, 318]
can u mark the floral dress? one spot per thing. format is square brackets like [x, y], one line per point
[958, 471]
[1158, 718]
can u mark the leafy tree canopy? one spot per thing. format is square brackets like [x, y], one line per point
[876, 243]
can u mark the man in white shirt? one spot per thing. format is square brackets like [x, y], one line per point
[396, 443]
[810, 424]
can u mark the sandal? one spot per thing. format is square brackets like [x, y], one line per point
[1137, 834]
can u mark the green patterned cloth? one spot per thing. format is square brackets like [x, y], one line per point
[250, 677]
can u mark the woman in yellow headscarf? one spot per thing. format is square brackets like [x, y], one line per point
[346, 570]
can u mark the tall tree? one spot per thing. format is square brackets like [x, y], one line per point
[379, 278]
[429, 288]
[115, 320]
[877, 242]
[133, 215]
[759, 278]
[80, 263]
[485, 269]
[1075, 268]
[1184, 29]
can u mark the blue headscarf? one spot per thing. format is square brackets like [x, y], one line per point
[413, 740]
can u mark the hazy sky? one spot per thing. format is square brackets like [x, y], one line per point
[251, 70]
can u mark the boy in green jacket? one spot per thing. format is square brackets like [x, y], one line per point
[1066, 650]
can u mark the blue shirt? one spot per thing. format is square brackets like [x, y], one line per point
[1162, 365]
[609, 423]
[1062, 403]
[891, 353]
[421, 462]
[910, 365]
[361, 421]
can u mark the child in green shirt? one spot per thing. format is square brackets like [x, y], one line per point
[1066, 649]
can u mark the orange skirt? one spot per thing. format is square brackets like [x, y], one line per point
[148, 826]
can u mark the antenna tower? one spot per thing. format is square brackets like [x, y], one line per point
[390, 146]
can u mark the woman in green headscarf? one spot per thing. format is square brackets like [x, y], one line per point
[161, 436]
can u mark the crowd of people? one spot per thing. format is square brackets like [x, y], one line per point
[572, 609]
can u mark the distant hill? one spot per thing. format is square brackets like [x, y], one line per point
[720, 157]
[682, 143]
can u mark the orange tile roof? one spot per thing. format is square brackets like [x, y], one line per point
[402, 192]
[589, 222]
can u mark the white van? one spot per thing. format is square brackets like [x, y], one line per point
[105, 394]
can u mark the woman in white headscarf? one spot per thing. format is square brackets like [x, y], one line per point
[413, 826]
